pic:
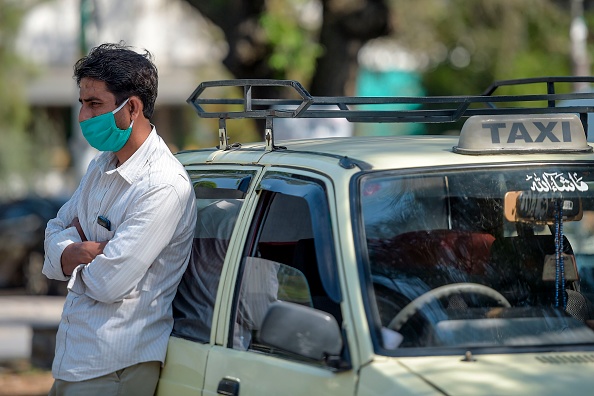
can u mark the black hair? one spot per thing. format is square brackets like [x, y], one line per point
[125, 73]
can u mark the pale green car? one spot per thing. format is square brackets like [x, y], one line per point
[455, 264]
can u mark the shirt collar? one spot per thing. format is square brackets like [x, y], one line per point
[130, 170]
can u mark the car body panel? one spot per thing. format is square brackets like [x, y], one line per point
[520, 374]
[385, 152]
[186, 365]
[262, 375]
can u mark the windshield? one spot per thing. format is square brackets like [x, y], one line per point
[493, 257]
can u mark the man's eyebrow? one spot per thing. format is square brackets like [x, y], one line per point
[90, 99]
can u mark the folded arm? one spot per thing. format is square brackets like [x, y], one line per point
[148, 228]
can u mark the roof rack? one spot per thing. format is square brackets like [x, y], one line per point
[427, 109]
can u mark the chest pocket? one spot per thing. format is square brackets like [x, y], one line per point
[103, 234]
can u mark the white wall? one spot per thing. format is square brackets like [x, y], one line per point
[172, 30]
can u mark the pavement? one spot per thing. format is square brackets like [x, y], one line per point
[27, 327]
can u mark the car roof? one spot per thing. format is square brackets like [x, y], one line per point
[377, 152]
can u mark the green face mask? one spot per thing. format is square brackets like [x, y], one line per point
[102, 132]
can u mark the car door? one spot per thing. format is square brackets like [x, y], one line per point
[290, 233]
[220, 197]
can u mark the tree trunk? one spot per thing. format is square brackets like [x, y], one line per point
[345, 29]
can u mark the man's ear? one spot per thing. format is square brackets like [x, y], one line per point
[136, 107]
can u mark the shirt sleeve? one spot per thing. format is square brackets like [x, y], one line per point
[147, 229]
[58, 235]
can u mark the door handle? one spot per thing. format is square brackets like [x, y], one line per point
[228, 387]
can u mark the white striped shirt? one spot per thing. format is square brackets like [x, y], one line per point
[118, 309]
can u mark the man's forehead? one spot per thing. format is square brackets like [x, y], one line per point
[90, 87]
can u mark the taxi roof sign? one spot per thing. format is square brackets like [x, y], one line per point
[534, 133]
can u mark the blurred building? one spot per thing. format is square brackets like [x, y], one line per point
[57, 33]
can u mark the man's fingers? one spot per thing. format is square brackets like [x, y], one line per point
[102, 246]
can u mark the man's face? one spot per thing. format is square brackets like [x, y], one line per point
[95, 100]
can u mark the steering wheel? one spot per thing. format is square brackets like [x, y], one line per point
[440, 292]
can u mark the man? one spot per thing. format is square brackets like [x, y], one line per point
[123, 240]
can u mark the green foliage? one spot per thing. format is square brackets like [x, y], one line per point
[467, 45]
[472, 44]
[294, 46]
[13, 112]
[11, 70]
[19, 159]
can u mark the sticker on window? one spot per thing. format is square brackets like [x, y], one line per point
[556, 182]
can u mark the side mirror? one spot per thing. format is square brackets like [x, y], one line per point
[301, 330]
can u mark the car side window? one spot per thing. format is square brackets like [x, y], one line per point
[289, 256]
[219, 198]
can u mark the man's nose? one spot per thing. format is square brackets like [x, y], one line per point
[84, 114]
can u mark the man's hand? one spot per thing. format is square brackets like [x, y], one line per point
[80, 253]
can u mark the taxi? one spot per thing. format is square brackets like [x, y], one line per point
[459, 264]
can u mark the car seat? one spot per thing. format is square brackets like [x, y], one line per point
[305, 260]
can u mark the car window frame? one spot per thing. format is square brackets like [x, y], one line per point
[254, 172]
[277, 180]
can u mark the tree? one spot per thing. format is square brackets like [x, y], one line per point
[14, 114]
[461, 46]
[279, 39]
[28, 142]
